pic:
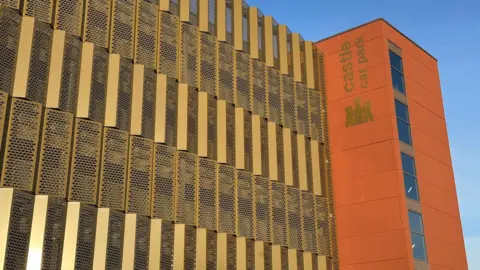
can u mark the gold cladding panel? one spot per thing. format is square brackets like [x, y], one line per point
[190, 247]
[295, 160]
[96, 25]
[121, 31]
[167, 248]
[315, 111]
[68, 16]
[208, 64]
[164, 182]
[301, 104]
[262, 209]
[243, 76]
[14, 4]
[124, 101]
[84, 169]
[279, 220]
[116, 229]
[40, 9]
[280, 154]
[248, 141]
[10, 22]
[192, 123]
[171, 113]
[259, 93]
[86, 237]
[309, 222]
[70, 74]
[226, 199]
[142, 242]
[146, 34]
[113, 173]
[294, 212]
[323, 234]
[289, 109]
[168, 44]
[211, 250]
[245, 202]
[185, 188]
[225, 77]
[55, 153]
[54, 233]
[264, 147]
[96, 109]
[274, 96]
[212, 128]
[231, 147]
[3, 112]
[149, 103]
[139, 176]
[188, 54]
[20, 150]
[207, 191]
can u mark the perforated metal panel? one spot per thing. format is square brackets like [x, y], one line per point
[174, 7]
[192, 141]
[142, 243]
[54, 233]
[188, 54]
[146, 36]
[308, 159]
[309, 222]
[124, 94]
[267, 256]
[231, 252]
[121, 36]
[55, 153]
[264, 138]
[86, 237]
[315, 111]
[10, 22]
[250, 254]
[231, 158]
[280, 155]
[243, 70]
[259, 88]
[323, 234]
[96, 111]
[3, 113]
[68, 16]
[279, 220]
[212, 128]
[39, 62]
[288, 95]
[21, 143]
[149, 99]
[166, 259]
[244, 204]
[19, 230]
[40, 9]
[299, 260]
[275, 101]
[225, 72]
[295, 169]
[248, 140]
[186, 190]
[294, 213]
[113, 172]
[171, 113]
[168, 44]
[96, 27]
[190, 247]
[284, 258]
[208, 64]
[314, 261]
[226, 199]
[116, 227]
[301, 104]
[11, 3]
[85, 163]
[262, 209]
[163, 185]
[139, 175]
[207, 193]
[70, 74]
[211, 249]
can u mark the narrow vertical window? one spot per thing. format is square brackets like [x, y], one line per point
[417, 234]
[410, 177]
[396, 67]
[403, 122]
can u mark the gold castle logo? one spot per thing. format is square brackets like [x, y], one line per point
[359, 113]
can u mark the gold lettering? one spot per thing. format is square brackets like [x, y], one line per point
[358, 113]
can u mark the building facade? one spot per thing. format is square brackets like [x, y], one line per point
[203, 134]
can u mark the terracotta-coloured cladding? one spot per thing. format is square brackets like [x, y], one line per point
[398, 264]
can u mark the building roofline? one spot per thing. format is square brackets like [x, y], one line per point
[389, 24]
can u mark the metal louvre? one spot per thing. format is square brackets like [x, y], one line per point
[68, 16]
[19, 230]
[168, 233]
[171, 113]
[54, 153]
[86, 237]
[279, 220]
[96, 111]
[294, 213]
[212, 128]
[309, 222]
[114, 169]
[274, 98]
[301, 104]
[85, 162]
[262, 209]
[168, 44]
[54, 233]
[3, 113]
[308, 159]
[322, 218]
[21, 144]
[299, 260]
[288, 95]
[225, 72]
[70, 74]
[226, 199]
[245, 211]
[40, 9]
[267, 256]
[192, 141]
[124, 94]
[231, 252]
[211, 249]
[146, 34]
[188, 54]
[186, 189]
[142, 242]
[96, 26]
[231, 158]
[121, 35]
[39, 62]
[10, 22]
[243, 76]
[208, 64]
[259, 92]
[284, 258]
[248, 151]
[149, 100]
[295, 169]
[314, 261]
[250, 254]
[115, 240]
[280, 155]
[264, 138]
[139, 176]
[207, 193]
[190, 247]
[163, 185]
[315, 115]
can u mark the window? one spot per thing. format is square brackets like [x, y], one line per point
[212, 11]
[403, 122]
[417, 234]
[410, 177]
[396, 66]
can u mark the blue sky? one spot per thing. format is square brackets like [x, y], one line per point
[450, 31]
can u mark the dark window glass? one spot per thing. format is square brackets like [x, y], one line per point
[398, 81]
[418, 247]
[396, 61]
[402, 111]
[411, 189]
[416, 223]
[404, 132]
[408, 164]
[212, 11]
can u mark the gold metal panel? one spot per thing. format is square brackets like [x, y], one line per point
[315, 262]
[184, 247]
[112, 93]
[277, 257]
[24, 52]
[309, 165]
[243, 80]
[55, 150]
[184, 10]
[96, 22]
[113, 171]
[155, 251]
[229, 21]
[264, 147]
[307, 260]
[168, 38]
[292, 259]
[294, 214]
[207, 193]
[300, 262]
[109, 239]
[207, 63]
[262, 209]
[142, 242]
[55, 69]
[259, 88]
[166, 110]
[35, 254]
[279, 219]
[188, 62]
[3, 113]
[288, 102]
[309, 222]
[259, 255]
[309, 65]
[302, 113]
[323, 231]
[122, 28]
[297, 61]
[212, 128]
[186, 190]
[206, 249]
[303, 60]
[254, 33]
[124, 99]
[163, 183]
[202, 124]
[257, 145]
[14, 4]
[137, 100]
[226, 205]
[315, 114]
[274, 96]
[245, 204]
[288, 152]
[149, 103]
[225, 76]
[129, 236]
[70, 74]
[238, 26]
[187, 120]
[21, 144]
[6, 199]
[167, 247]
[240, 126]
[139, 179]
[272, 151]
[221, 20]
[316, 170]
[302, 162]
[241, 253]
[85, 162]
[283, 49]
[269, 42]
[41, 10]
[10, 25]
[203, 15]
[146, 33]
[68, 16]
[222, 131]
